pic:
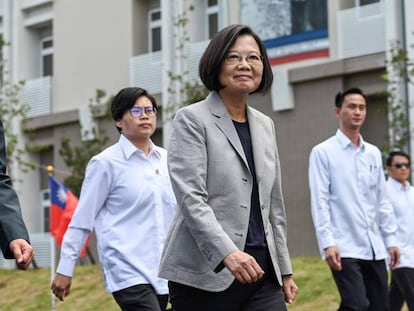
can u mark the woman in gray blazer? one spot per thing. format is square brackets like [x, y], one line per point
[226, 249]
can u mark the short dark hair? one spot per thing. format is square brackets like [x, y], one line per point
[216, 51]
[125, 100]
[392, 154]
[340, 96]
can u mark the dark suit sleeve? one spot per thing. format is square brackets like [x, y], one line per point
[11, 222]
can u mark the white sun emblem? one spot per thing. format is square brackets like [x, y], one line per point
[61, 194]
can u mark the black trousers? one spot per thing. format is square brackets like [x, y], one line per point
[140, 297]
[402, 289]
[362, 285]
[263, 295]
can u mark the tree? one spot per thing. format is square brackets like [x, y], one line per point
[399, 73]
[181, 91]
[12, 111]
[76, 158]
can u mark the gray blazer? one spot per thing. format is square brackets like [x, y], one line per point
[213, 185]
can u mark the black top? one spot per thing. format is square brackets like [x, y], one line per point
[255, 234]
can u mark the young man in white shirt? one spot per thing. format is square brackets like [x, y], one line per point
[128, 200]
[401, 194]
[354, 220]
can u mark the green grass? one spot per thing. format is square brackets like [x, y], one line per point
[30, 290]
[317, 290]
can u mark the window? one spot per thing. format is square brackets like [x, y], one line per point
[45, 203]
[212, 13]
[365, 2]
[47, 56]
[369, 9]
[155, 30]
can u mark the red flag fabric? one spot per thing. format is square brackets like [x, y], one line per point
[62, 206]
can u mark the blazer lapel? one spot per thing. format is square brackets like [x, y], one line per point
[225, 124]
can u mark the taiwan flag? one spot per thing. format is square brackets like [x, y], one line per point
[62, 206]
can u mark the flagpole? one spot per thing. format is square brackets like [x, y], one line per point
[52, 254]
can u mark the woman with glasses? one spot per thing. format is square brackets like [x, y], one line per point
[227, 248]
[127, 199]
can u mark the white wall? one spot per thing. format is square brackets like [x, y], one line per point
[92, 47]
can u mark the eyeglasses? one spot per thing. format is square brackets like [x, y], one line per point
[234, 58]
[401, 165]
[138, 111]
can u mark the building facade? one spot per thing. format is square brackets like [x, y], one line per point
[65, 50]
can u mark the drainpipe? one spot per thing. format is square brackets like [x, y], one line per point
[166, 64]
[14, 79]
[407, 8]
[406, 97]
[167, 59]
[395, 32]
[172, 61]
